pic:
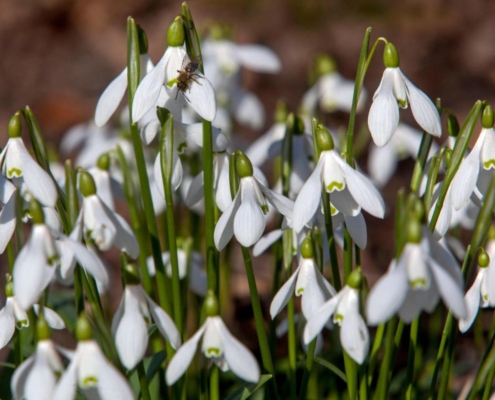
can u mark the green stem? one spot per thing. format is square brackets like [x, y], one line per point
[377, 343]
[307, 369]
[292, 348]
[383, 377]
[351, 374]
[143, 382]
[419, 166]
[489, 383]
[411, 358]
[348, 246]
[214, 383]
[363, 381]
[334, 263]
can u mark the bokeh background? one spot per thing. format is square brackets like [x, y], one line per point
[57, 56]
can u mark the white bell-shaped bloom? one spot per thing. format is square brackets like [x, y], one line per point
[424, 272]
[344, 307]
[474, 169]
[350, 190]
[307, 282]
[396, 90]
[245, 217]
[90, 371]
[8, 218]
[130, 325]
[104, 185]
[36, 377]
[17, 163]
[218, 345]
[114, 92]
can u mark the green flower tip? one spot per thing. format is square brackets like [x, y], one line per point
[487, 117]
[175, 34]
[355, 279]
[390, 56]
[307, 250]
[143, 40]
[86, 184]
[324, 139]
[210, 305]
[36, 212]
[243, 166]
[131, 274]
[281, 112]
[104, 162]
[452, 126]
[42, 329]
[9, 288]
[15, 128]
[295, 124]
[414, 231]
[483, 259]
[324, 64]
[83, 328]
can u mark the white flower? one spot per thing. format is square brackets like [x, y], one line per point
[482, 292]
[17, 163]
[114, 92]
[245, 217]
[344, 307]
[424, 271]
[396, 90]
[307, 282]
[218, 345]
[130, 325]
[36, 377]
[90, 371]
[8, 218]
[350, 190]
[474, 170]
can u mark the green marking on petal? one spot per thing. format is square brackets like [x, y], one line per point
[213, 352]
[265, 209]
[90, 381]
[172, 82]
[300, 291]
[490, 164]
[402, 103]
[419, 283]
[53, 260]
[338, 319]
[333, 210]
[23, 323]
[335, 186]
[485, 297]
[181, 147]
[14, 173]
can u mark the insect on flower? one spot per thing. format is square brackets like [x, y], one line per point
[187, 75]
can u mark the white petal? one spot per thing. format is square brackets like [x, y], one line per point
[283, 295]
[472, 300]
[7, 324]
[223, 197]
[164, 323]
[224, 229]
[424, 111]
[258, 58]
[317, 322]
[125, 239]
[382, 163]
[249, 221]
[354, 337]
[181, 360]
[194, 132]
[103, 186]
[201, 97]
[248, 110]
[266, 241]
[240, 360]
[41, 381]
[308, 199]
[18, 382]
[315, 291]
[383, 117]
[257, 152]
[195, 192]
[52, 318]
[110, 99]
[151, 129]
[157, 170]
[357, 229]
[112, 384]
[7, 189]
[283, 205]
[344, 202]
[7, 222]
[148, 90]
[363, 191]
[98, 222]
[67, 385]
[387, 296]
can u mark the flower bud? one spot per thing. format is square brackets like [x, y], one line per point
[281, 112]
[210, 305]
[36, 212]
[324, 139]
[175, 33]
[42, 329]
[295, 124]
[86, 184]
[307, 250]
[487, 117]
[483, 259]
[390, 56]
[414, 231]
[452, 126]
[131, 274]
[324, 64]
[83, 328]
[15, 128]
[104, 162]
[355, 279]
[244, 166]
[143, 40]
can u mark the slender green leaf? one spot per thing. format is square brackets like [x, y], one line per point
[246, 392]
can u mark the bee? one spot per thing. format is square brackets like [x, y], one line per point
[187, 75]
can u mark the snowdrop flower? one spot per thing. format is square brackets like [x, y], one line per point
[105, 184]
[12, 316]
[8, 218]
[344, 307]
[36, 263]
[91, 371]
[332, 91]
[425, 271]
[16, 162]
[396, 90]
[245, 217]
[114, 92]
[163, 80]
[218, 345]
[130, 324]
[350, 190]
[482, 292]
[37, 376]
[101, 224]
[307, 282]
[474, 169]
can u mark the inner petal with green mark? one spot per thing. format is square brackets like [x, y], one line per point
[419, 283]
[172, 82]
[14, 173]
[213, 352]
[490, 164]
[335, 186]
[90, 381]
